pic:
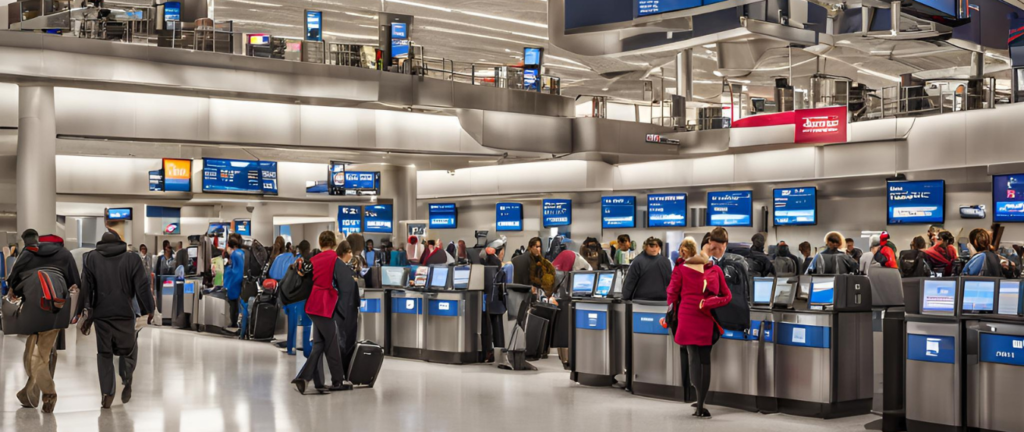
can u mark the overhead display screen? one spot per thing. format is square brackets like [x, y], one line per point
[556, 212]
[350, 219]
[314, 19]
[654, 7]
[119, 213]
[796, 206]
[912, 202]
[362, 182]
[666, 210]
[730, 208]
[226, 175]
[243, 227]
[156, 181]
[618, 212]
[177, 175]
[1008, 198]
[443, 216]
[268, 177]
[399, 40]
[378, 218]
[508, 217]
[172, 11]
[531, 56]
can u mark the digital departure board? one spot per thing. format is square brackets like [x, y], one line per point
[795, 206]
[443, 216]
[508, 217]
[556, 212]
[911, 202]
[378, 218]
[350, 219]
[733, 208]
[666, 210]
[618, 212]
[227, 175]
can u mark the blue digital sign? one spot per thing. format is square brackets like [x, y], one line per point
[508, 217]
[666, 210]
[654, 7]
[156, 181]
[243, 227]
[912, 202]
[119, 213]
[443, 216]
[556, 212]
[730, 208]
[268, 177]
[796, 206]
[399, 40]
[378, 218]
[618, 212]
[226, 175]
[172, 11]
[1008, 198]
[531, 56]
[931, 348]
[350, 219]
[366, 181]
[531, 79]
[314, 21]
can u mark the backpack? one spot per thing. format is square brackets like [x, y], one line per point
[832, 264]
[784, 266]
[913, 264]
[44, 305]
[294, 288]
[735, 316]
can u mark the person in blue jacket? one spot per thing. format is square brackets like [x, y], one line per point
[296, 311]
[233, 271]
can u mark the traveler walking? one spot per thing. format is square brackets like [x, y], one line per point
[324, 302]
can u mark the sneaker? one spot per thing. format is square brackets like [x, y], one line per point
[28, 400]
[49, 402]
[126, 394]
[108, 400]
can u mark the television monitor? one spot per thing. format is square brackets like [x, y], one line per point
[268, 177]
[443, 216]
[979, 296]
[654, 7]
[916, 202]
[460, 277]
[784, 293]
[399, 40]
[1009, 297]
[378, 218]
[124, 213]
[508, 217]
[823, 291]
[666, 210]
[531, 56]
[172, 11]
[795, 206]
[243, 227]
[233, 176]
[350, 219]
[362, 183]
[391, 276]
[156, 181]
[531, 79]
[439, 277]
[605, 282]
[218, 228]
[618, 212]
[336, 178]
[583, 284]
[938, 296]
[731, 208]
[177, 175]
[314, 23]
[556, 212]
[1008, 198]
[763, 289]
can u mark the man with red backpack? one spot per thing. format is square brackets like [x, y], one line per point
[887, 250]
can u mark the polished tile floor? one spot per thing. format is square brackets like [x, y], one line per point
[192, 382]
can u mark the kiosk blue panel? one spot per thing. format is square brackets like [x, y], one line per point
[734, 208]
[1003, 349]
[912, 202]
[557, 212]
[448, 308]
[369, 306]
[410, 306]
[666, 210]
[443, 216]
[795, 206]
[591, 319]
[734, 335]
[804, 335]
[649, 323]
[618, 212]
[934, 349]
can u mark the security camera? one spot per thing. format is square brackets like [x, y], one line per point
[249, 208]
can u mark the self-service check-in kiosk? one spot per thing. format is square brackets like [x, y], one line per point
[598, 344]
[823, 346]
[374, 324]
[183, 301]
[454, 308]
[656, 359]
[994, 349]
[408, 322]
[888, 319]
[745, 360]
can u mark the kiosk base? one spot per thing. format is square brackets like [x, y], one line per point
[658, 391]
[733, 400]
[825, 411]
[593, 380]
[449, 357]
[915, 426]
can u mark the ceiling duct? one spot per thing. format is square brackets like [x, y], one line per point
[738, 59]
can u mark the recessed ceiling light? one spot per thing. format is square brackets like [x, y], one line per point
[483, 60]
[361, 15]
[604, 89]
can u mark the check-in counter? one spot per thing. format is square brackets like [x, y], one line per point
[373, 317]
[453, 326]
[184, 301]
[166, 290]
[994, 356]
[655, 358]
[597, 349]
[213, 311]
[408, 324]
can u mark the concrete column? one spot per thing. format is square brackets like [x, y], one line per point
[263, 223]
[405, 195]
[684, 74]
[37, 163]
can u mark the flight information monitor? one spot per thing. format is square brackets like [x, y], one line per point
[393, 276]
[1009, 297]
[243, 227]
[784, 294]
[654, 7]
[618, 212]
[1008, 198]
[439, 277]
[583, 284]
[795, 206]
[268, 175]
[460, 277]
[227, 175]
[557, 212]
[823, 291]
[605, 282]
[443, 216]
[378, 218]
[350, 219]
[119, 213]
[508, 217]
[938, 296]
[734, 208]
[979, 296]
[361, 183]
[666, 210]
[763, 291]
[911, 202]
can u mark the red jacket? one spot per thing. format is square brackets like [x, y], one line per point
[687, 289]
[940, 260]
[324, 296]
[890, 256]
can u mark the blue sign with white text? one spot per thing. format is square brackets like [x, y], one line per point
[226, 175]
[399, 41]
[448, 308]
[119, 214]
[730, 208]
[1008, 198]
[591, 319]
[666, 210]
[378, 218]
[916, 201]
[362, 180]
[557, 212]
[795, 206]
[508, 217]
[1004, 349]
[172, 11]
[369, 306]
[243, 227]
[314, 20]
[933, 349]
[442, 216]
[350, 219]
[618, 212]
[268, 176]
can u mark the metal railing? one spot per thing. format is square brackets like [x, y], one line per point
[485, 74]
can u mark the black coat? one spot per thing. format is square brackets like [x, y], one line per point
[116, 277]
[760, 264]
[647, 278]
[495, 295]
[44, 255]
[348, 292]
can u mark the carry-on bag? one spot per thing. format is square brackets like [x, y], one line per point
[44, 305]
[263, 320]
[365, 364]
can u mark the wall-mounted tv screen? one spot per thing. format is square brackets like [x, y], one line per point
[362, 183]
[916, 202]
[654, 7]
[156, 181]
[172, 11]
[378, 218]
[556, 212]
[618, 212]
[350, 219]
[243, 227]
[531, 56]
[666, 210]
[1008, 198]
[119, 213]
[228, 175]
[177, 175]
[508, 217]
[795, 206]
[336, 178]
[268, 177]
[443, 216]
[732, 208]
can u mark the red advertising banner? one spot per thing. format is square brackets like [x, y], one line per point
[821, 125]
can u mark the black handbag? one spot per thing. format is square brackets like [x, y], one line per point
[294, 288]
[672, 318]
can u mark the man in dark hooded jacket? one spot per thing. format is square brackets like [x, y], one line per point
[760, 264]
[113, 282]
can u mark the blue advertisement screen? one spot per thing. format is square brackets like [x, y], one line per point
[443, 216]
[530, 79]
[172, 11]
[654, 7]
[350, 219]
[362, 180]
[796, 206]
[399, 40]
[268, 176]
[225, 175]
[979, 296]
[730, 208]
[378, 218]
[618, 212]
[916, 201]
[243, 227]
[666, 210]
[1008, 198]
[939, 296]
[508, 217]
[156, 181]
[531, 56]
[314, 20]
[119, 214]
[557, 212]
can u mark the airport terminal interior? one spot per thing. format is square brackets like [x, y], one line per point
[514, 215]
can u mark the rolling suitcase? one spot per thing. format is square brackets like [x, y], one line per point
[365, 364]
[263, 319]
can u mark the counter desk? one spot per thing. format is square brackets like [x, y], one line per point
[598, 352]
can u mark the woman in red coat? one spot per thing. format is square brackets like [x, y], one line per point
[322, 306]
[697, 287]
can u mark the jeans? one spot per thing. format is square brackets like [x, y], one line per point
[297, 317]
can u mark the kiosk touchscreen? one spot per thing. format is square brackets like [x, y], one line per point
[583, 284]
[1009, 297]
[460, 277]
[763, 289]
[785, 294]
[822, 291]
[605, 282]
[979, 295]
[938, 297]
[804, 291]
[419, 276]
[394, 276]
[439, 277]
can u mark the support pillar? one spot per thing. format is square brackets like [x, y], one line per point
[405, 196]
[36, 161]
[263, 223]
[684, 74]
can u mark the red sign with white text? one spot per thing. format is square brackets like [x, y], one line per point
[821, 125]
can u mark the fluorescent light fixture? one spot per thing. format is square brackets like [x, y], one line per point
[361, 15]
[554, 57]
[265, 23]
[409, 3]
[463, 23]
[348, 35]
[567, 67]
[511, 20]
[446, 30]
[367, 26]
[604, 89]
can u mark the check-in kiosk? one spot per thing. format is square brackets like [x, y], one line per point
[598, 343]
[822, 341]
[166, 291]
[374, 324]
[183, 301]
[994, 348]
[654, 356]
[408, 323]
[454, 308]
[745, 360]
[888, 321]
[934, 374]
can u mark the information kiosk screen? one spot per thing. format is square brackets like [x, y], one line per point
[822, 291]
[979, 296]
[439, 277]
[784, 293]
[605, 281]
[419, 278]
[393, 277]
[583, 284]
[763, 291]
[938, 297]
[460, 278]
[1009, 297]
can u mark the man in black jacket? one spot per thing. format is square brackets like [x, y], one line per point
[649, 274]
[113, 283]
[760, 264]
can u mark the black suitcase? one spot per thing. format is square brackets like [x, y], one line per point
[365, 364]
[537, 330]
[263, 319]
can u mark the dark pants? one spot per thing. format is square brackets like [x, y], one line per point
[233, 311]
[325, 343]
[348, 333]
[700, 370]
[115, 337]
